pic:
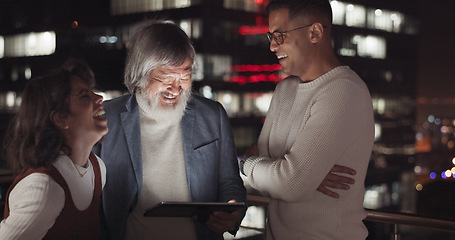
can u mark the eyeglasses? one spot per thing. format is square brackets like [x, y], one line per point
[278, 37]
[170, 81]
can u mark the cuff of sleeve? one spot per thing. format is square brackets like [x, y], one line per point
[247, 163]
[241, 163]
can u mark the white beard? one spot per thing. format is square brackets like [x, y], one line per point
[167, 112]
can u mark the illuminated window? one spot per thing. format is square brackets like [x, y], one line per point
[212, 67]
[192, 27]
[348, 47]
[352, 15]
[198, 73]
[2, 46]
[379, 105]
[397, 20]
[338, 12]
[385, 20]
[29, 44]
[230, 102]
[382, 195]
[243, 104]
[393, 106]
[262, 103]
[372, 46]
[9, 101]
[377, 131]
[244, 5]
[27, 72]
[122, 7]
[257, 104]
[363, 46]
[355, 15]
[206, 91]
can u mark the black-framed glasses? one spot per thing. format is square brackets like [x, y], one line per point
[279, 36]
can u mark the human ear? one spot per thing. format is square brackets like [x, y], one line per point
[59, 119]
[317, 32]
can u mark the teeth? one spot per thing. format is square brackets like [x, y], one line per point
[282, 56]
[169, 96]
[99, 113]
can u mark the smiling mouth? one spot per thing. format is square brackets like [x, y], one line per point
[169, 96]
[281, 57]
[99, 113]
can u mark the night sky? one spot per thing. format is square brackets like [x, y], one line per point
[436, 73]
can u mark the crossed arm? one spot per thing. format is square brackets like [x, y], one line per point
[332, 180]
[222, 221]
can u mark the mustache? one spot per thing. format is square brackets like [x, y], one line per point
[168, 94]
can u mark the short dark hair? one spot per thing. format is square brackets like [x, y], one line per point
[315, 8]
[32, 140]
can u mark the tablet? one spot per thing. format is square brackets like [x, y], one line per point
[190, 209]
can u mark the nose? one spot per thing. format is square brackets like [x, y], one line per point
[175, 87]
[273, 46]
[98, 98]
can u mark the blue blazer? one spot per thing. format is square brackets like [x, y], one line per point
[208, 148]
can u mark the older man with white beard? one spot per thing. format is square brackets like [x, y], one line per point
[166, 145]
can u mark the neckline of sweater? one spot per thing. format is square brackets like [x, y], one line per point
[324, 77]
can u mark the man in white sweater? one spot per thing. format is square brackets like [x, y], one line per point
[320, 116]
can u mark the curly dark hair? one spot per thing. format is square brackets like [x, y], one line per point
[32, 140]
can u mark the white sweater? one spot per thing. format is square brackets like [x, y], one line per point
[163, 178]
[37, 200]
[309, 128]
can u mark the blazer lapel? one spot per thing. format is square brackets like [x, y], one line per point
[131, 125]
[187, 126]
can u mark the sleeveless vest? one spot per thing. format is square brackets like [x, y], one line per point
[71, 223]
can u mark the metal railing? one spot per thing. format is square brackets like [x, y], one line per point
[383, 217]
[410, 220]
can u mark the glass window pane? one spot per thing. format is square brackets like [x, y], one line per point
[338, 12]
[30, 44]
[355, 15]
[2, 47]
[122, 7]
[372, 46]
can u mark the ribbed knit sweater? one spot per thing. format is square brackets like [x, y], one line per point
[164, 178]
[309, 128]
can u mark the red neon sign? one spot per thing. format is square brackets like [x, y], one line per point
[261, 77]
[256, 78]
[256, 68]
[253, 30]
